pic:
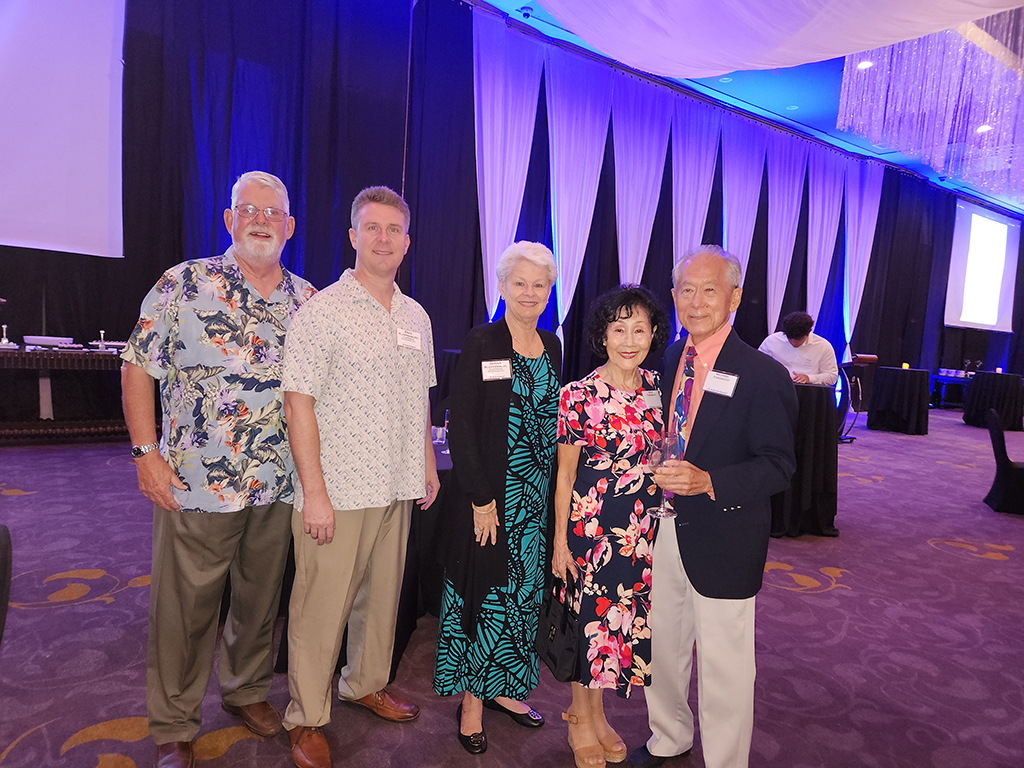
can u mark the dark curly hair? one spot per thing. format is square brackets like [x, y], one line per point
[623, 302]
[796, 325]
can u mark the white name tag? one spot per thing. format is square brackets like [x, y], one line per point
[409, 339]
[721, 383]
[496, 370]
[652, 398]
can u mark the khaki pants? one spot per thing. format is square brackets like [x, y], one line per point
[193, 553]
[354, 580]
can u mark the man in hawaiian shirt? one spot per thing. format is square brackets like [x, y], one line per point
[212, 332]
[358, 366]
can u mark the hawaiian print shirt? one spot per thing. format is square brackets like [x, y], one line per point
[216, 346]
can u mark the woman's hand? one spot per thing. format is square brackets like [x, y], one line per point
[562, 561]
[485, 523]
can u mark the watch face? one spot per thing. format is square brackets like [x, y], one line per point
[136, 451]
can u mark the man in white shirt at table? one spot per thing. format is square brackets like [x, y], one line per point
[808, 357]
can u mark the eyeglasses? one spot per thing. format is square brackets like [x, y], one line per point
[251, 211]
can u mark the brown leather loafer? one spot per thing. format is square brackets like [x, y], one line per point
[385, 704]
[259, 717]
[175, 754]
[309, 747]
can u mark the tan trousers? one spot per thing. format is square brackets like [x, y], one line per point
[354, 580]
[723, 631]
[193, 553]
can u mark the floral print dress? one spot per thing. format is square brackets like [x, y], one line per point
[610, 533]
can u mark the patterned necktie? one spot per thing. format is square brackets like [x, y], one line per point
[682, 404]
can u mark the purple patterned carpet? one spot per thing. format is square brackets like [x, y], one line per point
[900, 643]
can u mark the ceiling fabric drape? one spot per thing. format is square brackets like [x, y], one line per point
[695, 38]
[506, 83]
[787, 163]
[641, 119]
[743, 149]
[579, 101]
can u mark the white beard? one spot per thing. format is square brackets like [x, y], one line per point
[259, 251]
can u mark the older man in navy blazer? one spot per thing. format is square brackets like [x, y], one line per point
[736, 408]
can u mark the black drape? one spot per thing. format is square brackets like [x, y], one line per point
[447, 276]
[312, 91]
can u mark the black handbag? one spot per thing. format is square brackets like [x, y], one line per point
[558, 634]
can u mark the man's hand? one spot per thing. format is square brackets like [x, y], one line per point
[683, 479]
[318, 519]
[801, 378]
[156, 478]
[433, 486]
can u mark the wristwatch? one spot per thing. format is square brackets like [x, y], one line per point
[142, 450]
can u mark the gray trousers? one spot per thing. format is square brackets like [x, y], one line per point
[193, 553]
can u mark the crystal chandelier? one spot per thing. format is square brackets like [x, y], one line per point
[951, 99]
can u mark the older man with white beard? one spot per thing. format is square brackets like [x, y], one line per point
[212, 332]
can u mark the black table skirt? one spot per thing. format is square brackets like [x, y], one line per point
[1002, 391]
[809, 504]
[899, 400]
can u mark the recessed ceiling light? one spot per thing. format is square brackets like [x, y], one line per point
[792, 107]
[866, 65]
[725, 79]
[983, 128]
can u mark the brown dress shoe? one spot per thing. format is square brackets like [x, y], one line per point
[175, 754]
[259, 717]
[385, 704]
[309, 747]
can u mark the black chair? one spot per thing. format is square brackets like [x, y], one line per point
[1007, 493]
[6, 566]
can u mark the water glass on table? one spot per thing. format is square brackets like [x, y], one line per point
[670, 447]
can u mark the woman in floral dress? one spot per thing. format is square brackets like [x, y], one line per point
[607, 423]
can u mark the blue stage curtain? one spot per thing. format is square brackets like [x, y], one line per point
[314, 91]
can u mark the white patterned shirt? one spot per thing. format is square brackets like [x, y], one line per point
[370, 371]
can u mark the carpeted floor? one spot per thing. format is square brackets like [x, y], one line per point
[900, 643]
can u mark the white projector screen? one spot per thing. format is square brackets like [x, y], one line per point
[60, 125]
[982, 269]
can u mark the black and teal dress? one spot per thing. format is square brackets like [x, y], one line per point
[500, 660]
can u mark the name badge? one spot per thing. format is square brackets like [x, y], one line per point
[652, 398]
[496, 370]
[721, 383]
[409, 339]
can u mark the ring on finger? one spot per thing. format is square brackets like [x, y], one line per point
[478, 531]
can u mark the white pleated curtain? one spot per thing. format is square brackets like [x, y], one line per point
[743, 149]
[641, 119]
[826, 170]
[863, 195]
[695, 131]
[579, 101]
[506, 80]
[787, 164]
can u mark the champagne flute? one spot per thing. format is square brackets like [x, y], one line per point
[671, 447]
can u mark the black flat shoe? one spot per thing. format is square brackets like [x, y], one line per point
[475, 744]
[529, 719]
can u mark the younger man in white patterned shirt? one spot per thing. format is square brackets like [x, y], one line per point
[359, 363]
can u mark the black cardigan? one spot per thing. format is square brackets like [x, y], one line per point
[478, 438]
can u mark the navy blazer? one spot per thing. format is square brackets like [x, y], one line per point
[745, 442]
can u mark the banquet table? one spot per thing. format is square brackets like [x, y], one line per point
[899, 400]
[809, 504]
[1002, 391]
